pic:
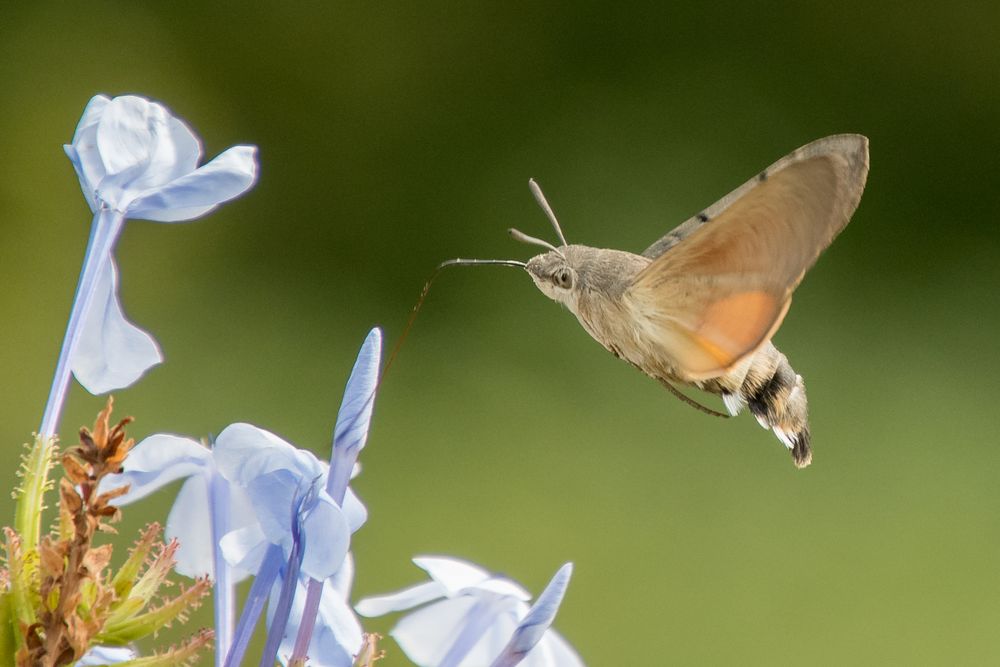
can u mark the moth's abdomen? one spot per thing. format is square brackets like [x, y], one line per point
[776, 396]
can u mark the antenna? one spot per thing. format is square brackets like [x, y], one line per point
[540, 198]
[524, 238]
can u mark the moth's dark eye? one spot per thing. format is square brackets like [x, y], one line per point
[564, 279]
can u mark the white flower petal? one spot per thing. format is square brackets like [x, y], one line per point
[194, 557]
[414, 596]
[494, 639]
[155, 462]
[337, 636]
[83, 151]
[227, 176]
[505, 587]
[343, 579]
[187, 147]
[106, 655]
[327, 539]
[127, 132]
[355, 412]
[454, 574]
[273, 495]
[242, 515]
[336, 617]
[354, 510]
[325, 531]
[534, 626]
[91, 116]
[78, 165]
[175, 152]
[427, 634]
[244, 452]
[111, 353]
[245, 547]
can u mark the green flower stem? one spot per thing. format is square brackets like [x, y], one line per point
[31, 493]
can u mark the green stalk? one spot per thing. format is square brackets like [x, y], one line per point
[30, 495]
[22, 543]
[8, 638]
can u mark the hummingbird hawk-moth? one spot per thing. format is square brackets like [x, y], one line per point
[699, 306]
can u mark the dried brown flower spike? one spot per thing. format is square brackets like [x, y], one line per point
[65, 598]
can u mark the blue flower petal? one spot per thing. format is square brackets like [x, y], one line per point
[337, 631]
[106, 655]
[355, 412]
[83, 151]
[414, 596]
[176, 153]
[325, 529]
[244, 452]
[354, 510]
[111, 353]
[327, 539]
[128, 132]
[457, 575]
[274, 495]
[155, 462]
[91, 117]
[89, 193]
[337, 636]
[89, 166]
[193, 194]
[427, 635]
[535, 624]
[173, 151]
[244, 548]
[194, 557]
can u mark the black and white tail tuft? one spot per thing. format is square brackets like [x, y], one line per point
[776, 396]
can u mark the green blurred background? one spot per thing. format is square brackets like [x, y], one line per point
[395, 135]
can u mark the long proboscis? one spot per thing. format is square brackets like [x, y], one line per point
[427, 288]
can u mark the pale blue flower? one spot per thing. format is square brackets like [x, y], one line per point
[262, 474]
[469, 619]
[274, 474]
[134, 160]
[274, 511]
[246, 512]
[135, 157]
[302, 536]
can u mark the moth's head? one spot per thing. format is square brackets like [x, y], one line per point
[552, 271]
[554, 275]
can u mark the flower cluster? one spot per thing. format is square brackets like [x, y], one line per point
[252, 505]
